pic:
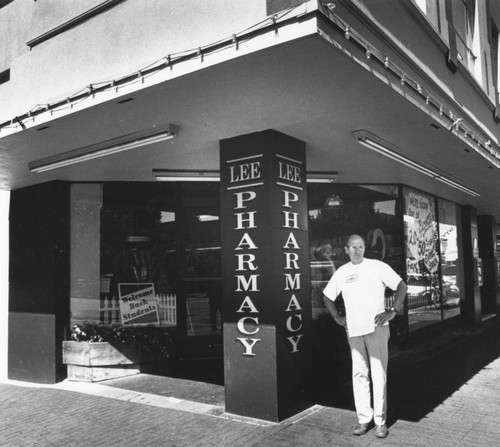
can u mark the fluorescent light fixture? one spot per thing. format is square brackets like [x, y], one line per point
[384, 148]
[199, 175]
[189, 175]
[457, 186]
[108, 147]
[322, 177]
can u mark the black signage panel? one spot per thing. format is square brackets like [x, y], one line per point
[265, 268]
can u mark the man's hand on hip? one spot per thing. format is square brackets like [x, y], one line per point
[384, 317]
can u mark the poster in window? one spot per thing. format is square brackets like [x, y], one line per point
[138, 304]
[421, 234]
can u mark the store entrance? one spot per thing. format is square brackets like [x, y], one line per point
[199, 332]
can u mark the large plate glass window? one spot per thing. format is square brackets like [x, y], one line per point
[422, 259]
[450, 261]
[337, 211]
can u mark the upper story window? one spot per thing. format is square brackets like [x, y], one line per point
[458, 23]
[430, 8]
[74, 21]
[467, 30]
[422, 4]
[495, 58]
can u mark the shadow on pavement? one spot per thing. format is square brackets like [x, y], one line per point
[420, 377]
[190, 390]
[421, 381]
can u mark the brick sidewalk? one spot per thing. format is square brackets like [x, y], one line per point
[73, 414]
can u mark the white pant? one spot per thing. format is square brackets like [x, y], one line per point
[370, 355]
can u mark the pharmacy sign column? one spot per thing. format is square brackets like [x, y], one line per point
[266, 280]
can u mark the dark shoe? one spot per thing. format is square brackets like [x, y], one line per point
[361, 429]
[381, 431]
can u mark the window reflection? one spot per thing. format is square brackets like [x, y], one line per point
[201, 263]
[138, 252]
[147, 254]
[123, 234]
[431, 259]
[427, 256]
[448, 235]
[367, 210]
[85, 283]
[422, 259]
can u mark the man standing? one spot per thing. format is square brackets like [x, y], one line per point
[362, 283]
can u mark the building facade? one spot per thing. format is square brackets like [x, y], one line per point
[197, 166]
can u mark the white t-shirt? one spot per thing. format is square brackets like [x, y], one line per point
[363, 288]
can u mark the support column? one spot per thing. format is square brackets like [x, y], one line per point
[490, 291]
[39, 281]
[4, 281]
[266, 279]
[470, 303]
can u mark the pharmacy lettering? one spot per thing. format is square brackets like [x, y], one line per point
[265, 234]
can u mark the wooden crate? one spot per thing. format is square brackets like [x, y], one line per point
[79, 373]
[94, 362]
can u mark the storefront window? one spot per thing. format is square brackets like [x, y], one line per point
[422, 259]
[427, 257]
[147, 254]
[138, 255]
[201, 282]
[337, 211]
[448, 236]
[431, 259]
[85, 227]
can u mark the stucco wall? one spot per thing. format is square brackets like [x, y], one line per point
[14, 18]
[112, 44]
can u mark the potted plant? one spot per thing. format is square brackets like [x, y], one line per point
[98, 352]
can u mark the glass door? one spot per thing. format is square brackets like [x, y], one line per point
[200, 272]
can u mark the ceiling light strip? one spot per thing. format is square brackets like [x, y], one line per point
[397, 157]
[457, 186]
[383, 149]
[183, 175]
[322, 176]
[200, 175]
[113, 146]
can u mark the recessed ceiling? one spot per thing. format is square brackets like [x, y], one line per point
[303, 88]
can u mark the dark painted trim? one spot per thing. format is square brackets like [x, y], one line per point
[5, 76]
[5, 3]
[452, 55]
[274, 6]
[73, 22]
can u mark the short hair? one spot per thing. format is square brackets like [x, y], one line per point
[354, 236]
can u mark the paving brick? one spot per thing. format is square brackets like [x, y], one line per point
[65, 415]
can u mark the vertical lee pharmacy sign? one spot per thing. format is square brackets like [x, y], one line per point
[265, 258]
